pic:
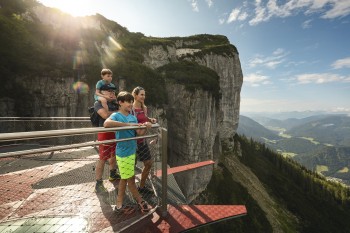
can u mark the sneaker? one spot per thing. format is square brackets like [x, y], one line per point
[114, 176]
[125, 209]
[145, 190]
[144, 206]
[100, 188]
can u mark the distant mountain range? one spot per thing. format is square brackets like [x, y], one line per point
[319, 142]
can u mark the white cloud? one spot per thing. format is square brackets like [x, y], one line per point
[278, 57]
[321, 78]
[263, 12]
[233, 15]
[209, 2]
[237, 15]
[268, 105]
[243, 16]
[221, 21]
[256, 80]
[340, 8]
[306, 24]
[284, 105]
[260, 14]
[278, 51]
[194, 5]
[341, 63]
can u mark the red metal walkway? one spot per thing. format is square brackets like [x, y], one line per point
[32, 200]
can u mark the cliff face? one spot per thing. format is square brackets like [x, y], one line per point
[46, 97]
[198, 124]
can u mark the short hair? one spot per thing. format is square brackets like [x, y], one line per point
[125, 96]
[106, 71]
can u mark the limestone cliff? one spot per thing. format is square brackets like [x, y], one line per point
[197, 122]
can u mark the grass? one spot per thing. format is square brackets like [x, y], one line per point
[310, 140]
[321, 168]
[288, 154]
[344, 170]
[285, 135]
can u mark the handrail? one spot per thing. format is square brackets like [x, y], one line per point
[83, 131]
[26, 118]
[63, 132]
[71, 146]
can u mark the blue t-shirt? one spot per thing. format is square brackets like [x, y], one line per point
[99, 84]
[125, 148]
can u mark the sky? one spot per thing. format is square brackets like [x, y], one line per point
[295, 55]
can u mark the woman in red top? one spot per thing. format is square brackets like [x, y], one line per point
[143, 153]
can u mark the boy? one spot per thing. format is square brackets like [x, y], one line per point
[126, 150]
[106, 75]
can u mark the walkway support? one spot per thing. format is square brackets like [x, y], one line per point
[164, 136]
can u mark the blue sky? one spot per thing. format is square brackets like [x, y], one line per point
[295, 55]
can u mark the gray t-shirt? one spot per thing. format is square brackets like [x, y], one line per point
[112, 107]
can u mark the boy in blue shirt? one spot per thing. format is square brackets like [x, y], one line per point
[126, 150]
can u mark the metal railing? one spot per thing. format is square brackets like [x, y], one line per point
[32, 156]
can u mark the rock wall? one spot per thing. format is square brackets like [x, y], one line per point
[53, 97]
[198, 125]
[46, 97]
[193, 120]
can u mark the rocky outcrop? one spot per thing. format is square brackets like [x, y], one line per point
[53, 97]
[198, 124]
[193, 120]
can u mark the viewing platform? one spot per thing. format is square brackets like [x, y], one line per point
[47, 184]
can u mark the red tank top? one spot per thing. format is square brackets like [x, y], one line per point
[141, 116]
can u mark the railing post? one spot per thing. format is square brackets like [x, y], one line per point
[164, 207]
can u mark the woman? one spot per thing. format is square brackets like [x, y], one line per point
[143, 153]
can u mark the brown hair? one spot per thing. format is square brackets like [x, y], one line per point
[135, 92]
[125, 96]
[106, 71]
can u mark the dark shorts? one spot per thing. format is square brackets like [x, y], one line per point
[106, 151]
[143, 153]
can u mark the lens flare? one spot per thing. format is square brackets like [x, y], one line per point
[80, 87]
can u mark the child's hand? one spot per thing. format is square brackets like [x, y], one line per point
[147, 124]
[153, 120]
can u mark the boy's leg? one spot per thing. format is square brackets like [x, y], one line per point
[103, 156]
[133, 189]
[147, 165]
[103, 102]
[143, 205]
[113, 175]
[126, 169]
[99, 187]
[99, 169]
[121, 193]
[144, 155]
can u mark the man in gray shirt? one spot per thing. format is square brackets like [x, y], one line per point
[106, 151]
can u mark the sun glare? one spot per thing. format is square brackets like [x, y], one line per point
[74, 8]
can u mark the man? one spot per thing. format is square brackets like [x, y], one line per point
[106, 151]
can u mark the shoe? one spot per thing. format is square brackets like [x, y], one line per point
[114, 176]
[145, 190]
[125, 209]
[144, 206]
[99, 188]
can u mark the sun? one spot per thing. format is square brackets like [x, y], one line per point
[73, 7]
